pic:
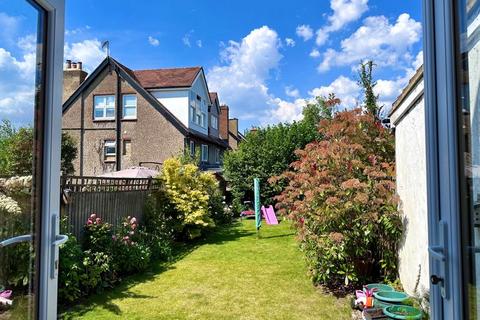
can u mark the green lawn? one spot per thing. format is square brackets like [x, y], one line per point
[231, 275]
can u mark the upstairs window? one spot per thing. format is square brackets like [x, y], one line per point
[192, 148]
[204, 153]
[109, 150]
[204, 120]
[129, 106]
[104, 108]
[214, 122]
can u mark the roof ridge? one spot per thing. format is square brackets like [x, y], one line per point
[170, 68]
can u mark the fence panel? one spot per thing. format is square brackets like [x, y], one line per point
[112, 199]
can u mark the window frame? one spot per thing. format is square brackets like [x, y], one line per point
[108, 144]
[130, 107]
[104, 117]
[203, 153]
[214, 121]
[217, 155]
[192, 148]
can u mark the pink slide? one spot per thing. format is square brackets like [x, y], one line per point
[269, 215]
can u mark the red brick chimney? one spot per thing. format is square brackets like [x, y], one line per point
[73, 76]
[223, 122]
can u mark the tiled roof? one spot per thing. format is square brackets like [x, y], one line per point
[166, 78]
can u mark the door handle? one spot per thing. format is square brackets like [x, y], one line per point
[437, 252]
[60, 239]
[14, 240]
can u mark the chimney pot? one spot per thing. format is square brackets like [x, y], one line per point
[79, 65]
[74, 65]
[68, 64]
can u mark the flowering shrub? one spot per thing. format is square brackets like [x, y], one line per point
[341, 198]
[131, 255]
[15, 218]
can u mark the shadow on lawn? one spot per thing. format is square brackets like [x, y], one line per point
[122, 290]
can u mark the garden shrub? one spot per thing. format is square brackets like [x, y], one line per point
[341, 198]
[189, 190]
[131, 254]
[268, 152]
[71, 271]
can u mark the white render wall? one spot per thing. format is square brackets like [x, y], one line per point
[410, 155]
[176, 101]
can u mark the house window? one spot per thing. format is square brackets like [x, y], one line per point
[204, 120]
[104, 108]
[192, 148]
[129, 106]
[204, 153]
[217, 155]
[214, 122]
[109, 150]
[198, 119]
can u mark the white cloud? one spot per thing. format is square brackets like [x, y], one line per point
[8, 27]
[199, 43]
[290, 42]
[241, 80]
[418, 60]
[284, 111]
[344, 12]
[153, 41]
[346, 89]
[305, 32]
[17, 86]
[89, 52]
[376, 39]
[292, 92]
[315, 53]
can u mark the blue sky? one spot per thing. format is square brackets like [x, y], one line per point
[263, 57]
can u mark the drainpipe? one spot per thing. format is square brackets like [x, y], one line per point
[118, 124]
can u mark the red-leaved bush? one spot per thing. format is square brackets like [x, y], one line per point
[341, 199]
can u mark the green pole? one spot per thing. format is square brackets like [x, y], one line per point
[256, 189]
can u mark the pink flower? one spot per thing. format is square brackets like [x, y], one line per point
[114, 237]
[93, 216]
[133, 226]
[98, 221]
[126, 238]
[131, 233]
[89, 222]
[133, 220]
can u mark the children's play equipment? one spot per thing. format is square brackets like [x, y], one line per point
[269, 215]
[256, 190]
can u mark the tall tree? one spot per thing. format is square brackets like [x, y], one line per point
[368, 84]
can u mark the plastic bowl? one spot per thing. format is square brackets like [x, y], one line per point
[379, 287]
[402, 312]
[391, 296]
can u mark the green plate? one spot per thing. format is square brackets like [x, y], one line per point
[402, 312]
[391, 296]
[379, 287]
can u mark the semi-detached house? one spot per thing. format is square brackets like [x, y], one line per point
[121, 117]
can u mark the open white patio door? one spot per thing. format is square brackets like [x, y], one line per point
[452, 96]
[31, 55]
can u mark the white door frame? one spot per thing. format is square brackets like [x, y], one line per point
[53, 87]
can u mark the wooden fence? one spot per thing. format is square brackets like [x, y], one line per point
[112, 199]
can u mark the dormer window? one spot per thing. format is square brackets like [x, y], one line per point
[214, 120]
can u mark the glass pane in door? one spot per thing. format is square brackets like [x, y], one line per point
[21, 102]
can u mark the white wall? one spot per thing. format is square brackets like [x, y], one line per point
[176, 101]
[409, 121]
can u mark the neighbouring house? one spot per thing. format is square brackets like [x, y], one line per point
[408, 118]
[122, 118]
[229, 128]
